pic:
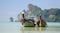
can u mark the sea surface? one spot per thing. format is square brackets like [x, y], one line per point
[16, 27]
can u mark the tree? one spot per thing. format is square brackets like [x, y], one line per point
[11, 19]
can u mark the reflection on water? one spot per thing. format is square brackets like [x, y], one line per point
[40, 30]
[15, 27]
[30, 30]
[51, 28]
[34, 28]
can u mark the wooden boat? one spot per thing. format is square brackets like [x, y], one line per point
[30, 22]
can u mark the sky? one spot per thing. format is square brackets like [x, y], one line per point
[11, 8]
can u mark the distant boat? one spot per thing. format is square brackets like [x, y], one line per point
[31, 22]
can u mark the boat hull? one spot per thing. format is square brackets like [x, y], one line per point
[30, 24]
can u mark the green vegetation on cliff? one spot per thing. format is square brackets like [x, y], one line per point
[52, 15]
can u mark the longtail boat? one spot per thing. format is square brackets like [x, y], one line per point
[30, 22]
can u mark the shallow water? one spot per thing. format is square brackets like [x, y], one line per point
[16, 27]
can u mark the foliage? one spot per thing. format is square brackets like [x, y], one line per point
[52, 14]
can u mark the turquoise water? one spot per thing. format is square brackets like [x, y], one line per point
[16, 27]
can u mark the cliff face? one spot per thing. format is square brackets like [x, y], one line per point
[52, 14]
